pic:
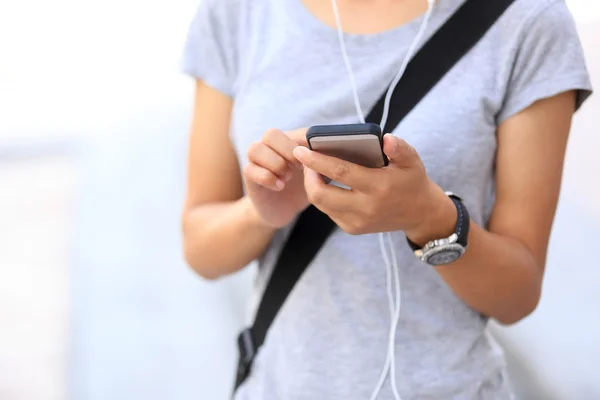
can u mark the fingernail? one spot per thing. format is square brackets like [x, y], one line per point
[279, 183]
[288, 176]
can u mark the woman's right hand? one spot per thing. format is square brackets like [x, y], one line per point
[274, 179]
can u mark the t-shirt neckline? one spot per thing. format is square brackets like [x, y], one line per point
[374, 42]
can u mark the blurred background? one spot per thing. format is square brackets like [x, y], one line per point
[95, 299]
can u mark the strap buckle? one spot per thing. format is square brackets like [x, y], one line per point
[247, 352]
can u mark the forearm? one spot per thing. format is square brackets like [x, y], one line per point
[222, 238]
[497, 276]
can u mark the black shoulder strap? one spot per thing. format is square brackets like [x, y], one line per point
[447, 46]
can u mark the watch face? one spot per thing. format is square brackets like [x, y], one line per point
[444, 256]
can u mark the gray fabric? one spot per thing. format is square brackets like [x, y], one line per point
[284, 69]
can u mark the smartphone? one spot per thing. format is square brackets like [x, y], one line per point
[357, 143]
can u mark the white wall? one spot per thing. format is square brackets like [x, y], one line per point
[105, 73]
[34, 249]
[68, 65]
[585, 10]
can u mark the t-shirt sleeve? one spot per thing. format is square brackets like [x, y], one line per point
[549, 61]
[209, 52]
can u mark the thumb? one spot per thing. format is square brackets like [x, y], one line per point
[398, 151]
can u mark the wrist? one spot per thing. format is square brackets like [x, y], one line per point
[439, 217]
[252, 216]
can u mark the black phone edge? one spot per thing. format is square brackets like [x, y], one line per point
[344, 129]
[368, 128]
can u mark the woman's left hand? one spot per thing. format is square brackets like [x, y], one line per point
[399, 196]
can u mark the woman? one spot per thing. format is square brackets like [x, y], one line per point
[493, 131]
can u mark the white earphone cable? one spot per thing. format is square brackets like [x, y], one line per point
[392, 270]
[340, 31]
[409, 55]
[396, 318]
[390, 296]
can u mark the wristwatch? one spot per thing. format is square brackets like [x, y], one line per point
[447, 250]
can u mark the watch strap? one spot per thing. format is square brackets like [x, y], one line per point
[463, 222]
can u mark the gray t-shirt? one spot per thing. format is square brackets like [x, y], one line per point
[284, 69]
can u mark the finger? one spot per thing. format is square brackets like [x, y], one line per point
[263, 177]
[327, 198]
[353, 175]
[298, 136]
[398, 151]
[264, 156]
[282, 144]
